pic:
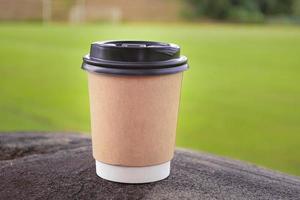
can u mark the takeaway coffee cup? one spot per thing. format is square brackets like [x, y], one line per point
[134, 89]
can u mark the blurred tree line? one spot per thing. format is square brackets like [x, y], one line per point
[244, 10]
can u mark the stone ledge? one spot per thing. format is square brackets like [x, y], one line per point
[60, 166]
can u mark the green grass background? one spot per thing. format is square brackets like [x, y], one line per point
[240, 98]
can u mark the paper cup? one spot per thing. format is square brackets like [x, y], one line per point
[134, 90]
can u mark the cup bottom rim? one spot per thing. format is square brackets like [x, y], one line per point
[125, 174]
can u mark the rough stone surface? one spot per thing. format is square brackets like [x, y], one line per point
[60, 166]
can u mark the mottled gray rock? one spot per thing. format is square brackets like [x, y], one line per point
[60, 166]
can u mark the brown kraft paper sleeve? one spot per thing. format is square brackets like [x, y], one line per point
[134, 118]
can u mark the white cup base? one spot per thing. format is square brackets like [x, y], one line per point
[123, 174]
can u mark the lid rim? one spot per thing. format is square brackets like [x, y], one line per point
[138, 72]
[135, 65]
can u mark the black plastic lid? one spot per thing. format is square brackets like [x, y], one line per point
[134, 58]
